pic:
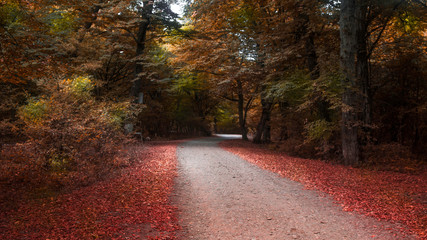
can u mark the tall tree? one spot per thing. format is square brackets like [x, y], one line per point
[352, 32]
[145, 14]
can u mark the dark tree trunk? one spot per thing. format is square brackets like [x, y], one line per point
[263, 129]
[283, 107]
[312, 64]
[141, 36]
[215, 125]
[354, 66]
[311, 56]
[242, 112]
[242, 121]
[363, 73]
[266, 133]
[305, 35]
[322, 106]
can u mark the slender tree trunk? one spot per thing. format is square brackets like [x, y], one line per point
[215, 125]
[242, 121]
[363, 73]
[283, 106]
[352, 30]
[311, 56]
[141, 36]
[266, 133]
[263, 129]
[242, 118]
[312, 62]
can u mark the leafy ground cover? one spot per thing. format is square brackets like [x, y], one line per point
[134, 205]
[391, 196]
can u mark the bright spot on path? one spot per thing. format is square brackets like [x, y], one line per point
[229, 136]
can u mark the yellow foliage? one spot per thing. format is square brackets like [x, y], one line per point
[81, 86]
[34, 111]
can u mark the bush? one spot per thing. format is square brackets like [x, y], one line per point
[63, 22]
[81, 87]
[34, 111]
[321, 135]
[320, 130]
[73, 139]
[117, 114]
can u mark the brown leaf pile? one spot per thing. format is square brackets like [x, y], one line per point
[134, 205]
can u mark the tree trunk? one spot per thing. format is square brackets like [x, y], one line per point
[322, 106]
[353, 62]
[141, 36]
[215, 125]
[363, 73]
[283, 107]
[263, 129]
[242, 121]
[242, 118]
[311, 56]
[312, 64]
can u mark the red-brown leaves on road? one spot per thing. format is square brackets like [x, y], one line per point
[134, 205]
[391, 196]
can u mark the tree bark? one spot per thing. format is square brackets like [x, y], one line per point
[141, 37]
[312, 64]
[322, 106]
[242, 118]
[363, 73]
[263, 129]
[353, 64]
[283, 107]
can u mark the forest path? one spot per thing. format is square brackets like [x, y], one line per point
[221, 196]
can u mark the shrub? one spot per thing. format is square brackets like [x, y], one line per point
[319, 130]
[69, 143]
[321, 135]
[80, 87]
[34, 111]
[117, 114]
[63, 22]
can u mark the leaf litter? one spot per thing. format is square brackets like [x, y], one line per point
[384, 195]
[134, 205]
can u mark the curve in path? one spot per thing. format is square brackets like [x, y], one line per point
[221, 196]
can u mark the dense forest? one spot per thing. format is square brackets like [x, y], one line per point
[343, 81]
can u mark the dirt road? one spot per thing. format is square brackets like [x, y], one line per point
[221, 196]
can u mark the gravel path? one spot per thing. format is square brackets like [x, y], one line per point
[221, 196]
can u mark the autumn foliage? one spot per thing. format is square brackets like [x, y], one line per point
[74, 73]
[385, 195]
[133, 205]
[72, 139]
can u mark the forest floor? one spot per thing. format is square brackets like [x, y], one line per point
[204, 189]
[132, 205]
